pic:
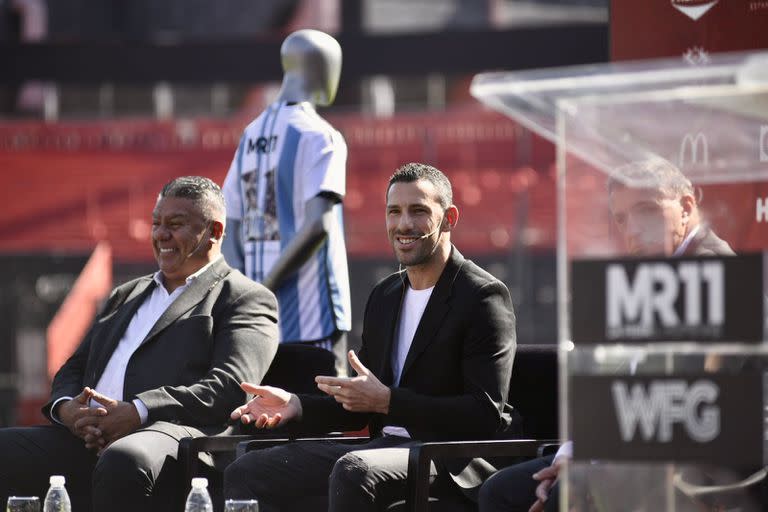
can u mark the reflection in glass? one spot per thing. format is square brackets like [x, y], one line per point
[241, 506]
[23, 504]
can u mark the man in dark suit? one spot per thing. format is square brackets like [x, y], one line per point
[435, 364]
[655, 210]
[162, 361]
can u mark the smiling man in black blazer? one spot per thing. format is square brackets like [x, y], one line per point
[163, 361]
[435, 364]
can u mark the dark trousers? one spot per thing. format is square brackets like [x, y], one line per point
[513, 489]
[137, 472]
[307, 475]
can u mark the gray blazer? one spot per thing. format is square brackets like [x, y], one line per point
[220, 331]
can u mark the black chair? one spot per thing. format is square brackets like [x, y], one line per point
[294, 369]
[533, 391]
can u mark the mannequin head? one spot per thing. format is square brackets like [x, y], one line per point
[312, 65]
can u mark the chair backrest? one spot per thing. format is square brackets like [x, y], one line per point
[295, 367]
[533, 390]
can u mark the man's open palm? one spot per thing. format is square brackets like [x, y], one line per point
[269, 407]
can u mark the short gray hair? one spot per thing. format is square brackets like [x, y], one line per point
[654, 174]
[204, 192]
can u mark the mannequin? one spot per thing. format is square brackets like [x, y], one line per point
[289, 149]
[312, 65]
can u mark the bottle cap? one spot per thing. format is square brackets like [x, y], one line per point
[57, 480]
[199, 483]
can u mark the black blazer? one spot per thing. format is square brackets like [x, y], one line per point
[220, 331]
[455, 380]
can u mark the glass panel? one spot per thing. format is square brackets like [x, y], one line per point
[662, 205]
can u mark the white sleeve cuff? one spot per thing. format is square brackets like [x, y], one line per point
[565, 450]
[142, 410]
[54, 417]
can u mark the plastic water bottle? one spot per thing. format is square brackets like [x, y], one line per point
[199, 500]
[57, 499]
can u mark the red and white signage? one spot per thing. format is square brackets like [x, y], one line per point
[692, 29]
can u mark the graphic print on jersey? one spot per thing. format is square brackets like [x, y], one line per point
[260, 222]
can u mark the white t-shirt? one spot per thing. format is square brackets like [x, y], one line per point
[414, 304]
[287, 156]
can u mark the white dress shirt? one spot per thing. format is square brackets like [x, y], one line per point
[565, 451]
[112, 378]
[686, 242]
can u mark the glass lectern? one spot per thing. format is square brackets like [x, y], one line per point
[662, 230]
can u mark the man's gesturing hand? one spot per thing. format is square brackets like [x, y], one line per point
[364, 393]
[547, 478]
[121, 419]
[269, 408]
[71, 411]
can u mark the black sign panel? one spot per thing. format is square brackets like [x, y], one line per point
[709, 418]
[679, 299]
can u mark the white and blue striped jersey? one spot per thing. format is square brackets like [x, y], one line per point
[287, 156]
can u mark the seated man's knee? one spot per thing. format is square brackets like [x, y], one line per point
[496, 493]
[245, 478]
[122, 465]
[512, 488]
[352, 473]
[493, 492]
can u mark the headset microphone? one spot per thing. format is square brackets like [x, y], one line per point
[438, 228]
[429, 234]
[199, 244]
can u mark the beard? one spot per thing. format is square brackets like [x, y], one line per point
[422, 253]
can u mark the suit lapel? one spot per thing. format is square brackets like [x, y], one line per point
[196, 291]
[438, 306]
[393, 298]
[117, 322]
[696, 242]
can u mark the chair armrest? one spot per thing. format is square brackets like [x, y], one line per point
[246, 446]
[422, 455]
[211, 443]
[547, 449]
[190, 447]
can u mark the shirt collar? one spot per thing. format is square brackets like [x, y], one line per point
[158, 276]
[686, 242]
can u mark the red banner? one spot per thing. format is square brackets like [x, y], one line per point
[72, 185]
[689, 28]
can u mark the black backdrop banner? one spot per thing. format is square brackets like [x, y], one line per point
[708, 418]
[681, 299]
